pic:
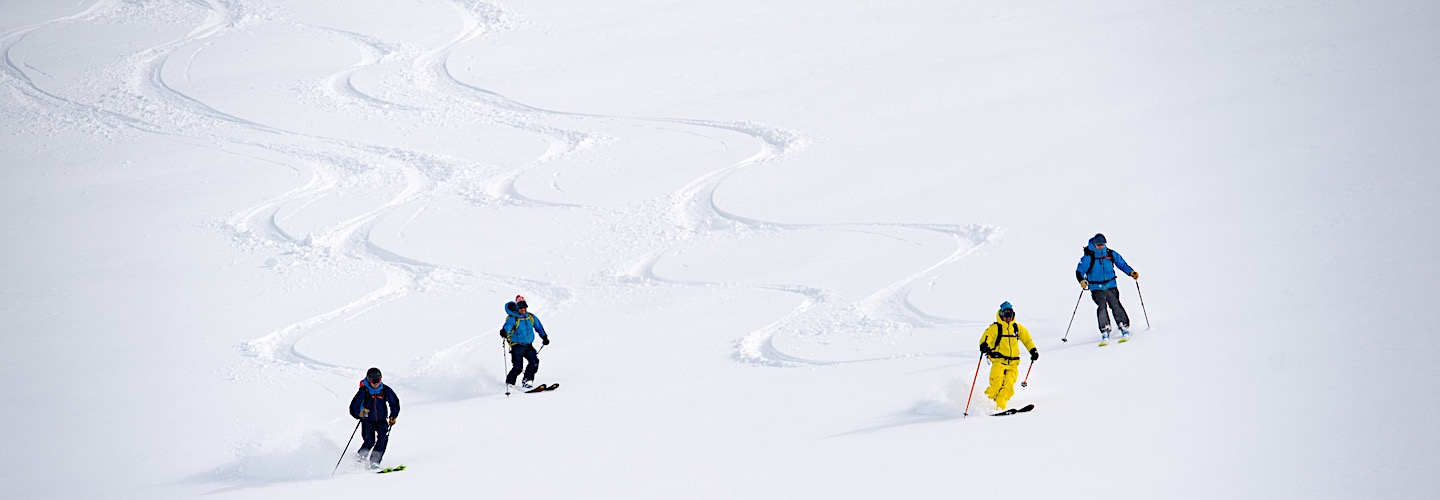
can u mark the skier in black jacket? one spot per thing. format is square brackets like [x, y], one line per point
[376, 406]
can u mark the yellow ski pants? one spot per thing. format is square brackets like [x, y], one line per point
[1002, 380]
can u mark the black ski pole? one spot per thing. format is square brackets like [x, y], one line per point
[505, 353]
[347, 447]
[1066, 338]
[1142, 305]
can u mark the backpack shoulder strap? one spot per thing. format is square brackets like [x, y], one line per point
[999, 329]
[1093, 258]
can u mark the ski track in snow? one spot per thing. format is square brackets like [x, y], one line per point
[140, 93]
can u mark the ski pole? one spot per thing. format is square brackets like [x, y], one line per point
[972, 385]
[1066, 338]
[1026, 382]
[1142, 305]
[347, 447]
[505, 353]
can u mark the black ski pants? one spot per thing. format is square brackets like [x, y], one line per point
[519, 354]
[1109, 298]
[376, 434]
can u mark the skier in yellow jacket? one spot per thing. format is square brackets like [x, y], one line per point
[999, 343]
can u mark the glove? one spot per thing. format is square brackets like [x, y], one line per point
[502, 334]
[544, 340]
[392, 420]
[1084, 285]
[364, 412]
[1135, 274]
[1034, 355]
[984, 349]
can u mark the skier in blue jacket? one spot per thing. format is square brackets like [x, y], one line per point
[1096, 272]
[519, 332]
[376, 406]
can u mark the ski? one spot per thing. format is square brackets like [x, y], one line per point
[388, 470]
[1013, 411]
[543, 388]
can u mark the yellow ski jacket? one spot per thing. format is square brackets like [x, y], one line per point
[1001, 337]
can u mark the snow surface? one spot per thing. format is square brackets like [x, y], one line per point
[764, 236]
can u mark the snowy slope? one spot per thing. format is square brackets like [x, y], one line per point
[765, 238]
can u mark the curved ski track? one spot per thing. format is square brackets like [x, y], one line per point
[135, 94]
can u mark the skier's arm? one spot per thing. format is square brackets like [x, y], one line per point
[355, 404]
[508, 327]
[1025, 338]
[986, 345]
[1080, 268]
[394, 400]
[540, 328]
[1120, 262]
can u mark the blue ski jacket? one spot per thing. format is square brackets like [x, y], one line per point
[521, 328]
[1098, 267]
[371, 404]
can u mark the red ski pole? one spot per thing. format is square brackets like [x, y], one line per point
[972, 385]
[1026, 382]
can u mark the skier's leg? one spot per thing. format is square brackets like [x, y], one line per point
[997, 378]
[1121, 318]
[367, 436]
[382, 433]
[517, 358]
[533, 357]
[1101, 316]
[1007, 384]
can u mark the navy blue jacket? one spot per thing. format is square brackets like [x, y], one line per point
[376, 403]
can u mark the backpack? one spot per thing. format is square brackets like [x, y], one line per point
[1000, 335]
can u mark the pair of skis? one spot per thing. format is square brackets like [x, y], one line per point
[538, 388]
[1013, 411]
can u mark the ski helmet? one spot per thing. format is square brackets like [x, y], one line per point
[372, 375]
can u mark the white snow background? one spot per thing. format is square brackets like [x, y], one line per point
[764, 237]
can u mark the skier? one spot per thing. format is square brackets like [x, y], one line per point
[519, 331]
[370, 407]
[1096, 273]
[999, 344]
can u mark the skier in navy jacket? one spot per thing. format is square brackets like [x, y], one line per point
[376, 406]
[519, 332]
[1096, 272]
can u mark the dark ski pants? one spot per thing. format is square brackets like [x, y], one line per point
[376, 434]
[1110, 298]
[519, 354]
